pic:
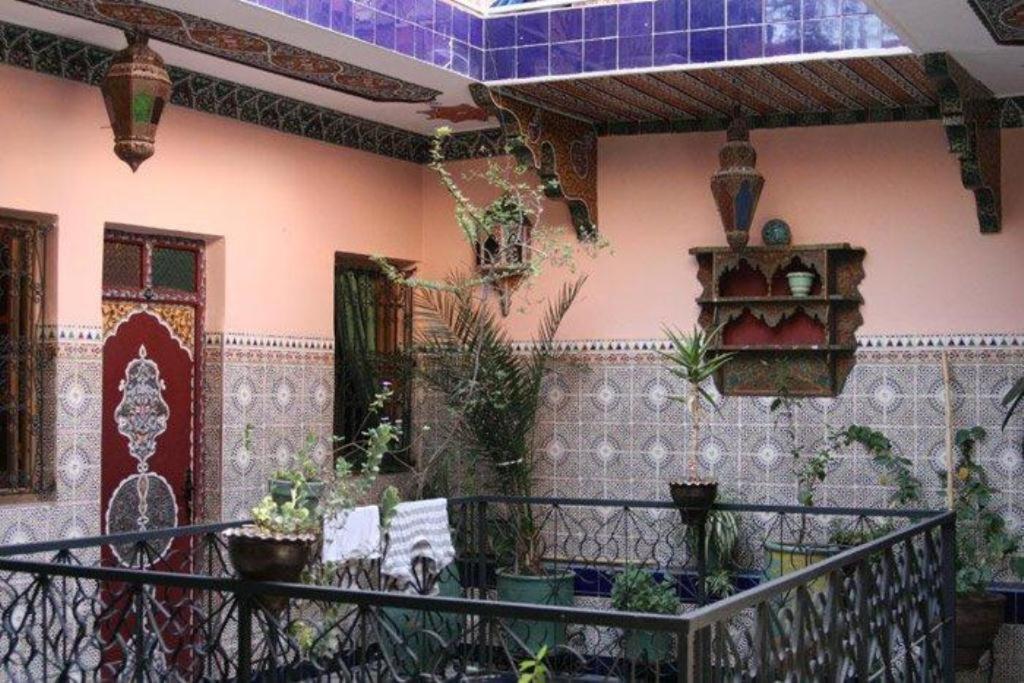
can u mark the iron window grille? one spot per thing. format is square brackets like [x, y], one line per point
[25, 467]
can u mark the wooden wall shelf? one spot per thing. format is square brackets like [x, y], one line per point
[807, 342]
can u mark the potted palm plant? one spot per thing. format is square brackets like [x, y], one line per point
[637, 590]
[983, 546]
[694, 361]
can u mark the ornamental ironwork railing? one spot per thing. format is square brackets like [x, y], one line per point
[173, 610]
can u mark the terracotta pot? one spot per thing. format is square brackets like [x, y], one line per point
[257, 556]
[693, 498]
[978, 620]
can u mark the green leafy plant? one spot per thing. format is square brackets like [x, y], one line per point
[303, 511]
[493, 392]
[983, 542]
[636, 590]
[535, 669]
[694, 360]
[721, 535]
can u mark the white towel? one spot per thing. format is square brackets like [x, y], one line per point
[419, 529]
[352, 535]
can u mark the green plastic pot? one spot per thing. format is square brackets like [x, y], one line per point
[418, 650]
[549, 589]
[281, 492]
[647, 646]
[786, 558]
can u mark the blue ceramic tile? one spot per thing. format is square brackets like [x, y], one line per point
[566, 25]
[600, 22]
[862, 32]
[423, 12]
[272, 4]
[406, 9]
[384, 36]
[500, 32]
[476, 63]
[744, 42]
[423, 43]
[362, 22]
[636, 19]
[294, 8]
[405, 37]
[319, 12]
[500, 64]
[817, 9]
[670, 48]
[707, 13]
[566, 58]
[476, 31]
[707, 46]
[386, 6]
[781, 10]
[823, 36]
[442, 17]
[634, 52]
[532, 61]
[782, 39]
[460, 25]
[460, 57]
[855, 7]
[671, 15]
[442, 52]
[532, 29]
[599, 55]
[742, 12]
[341, 16]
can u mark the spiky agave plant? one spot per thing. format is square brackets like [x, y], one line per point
[493, 391]
[693, 360]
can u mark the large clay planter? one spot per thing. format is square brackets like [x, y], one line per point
[550, 589]
[786, 558]
[257, 556]
[423, 635]
[978, 619]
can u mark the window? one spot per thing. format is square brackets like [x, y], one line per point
[23, 357]
[372, 345]
[151, 265]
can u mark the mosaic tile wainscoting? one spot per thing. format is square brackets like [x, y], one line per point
[282, 390]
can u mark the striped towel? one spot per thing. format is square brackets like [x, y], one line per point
[418, 530]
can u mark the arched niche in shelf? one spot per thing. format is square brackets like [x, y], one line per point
[795, 329]
[743, 280]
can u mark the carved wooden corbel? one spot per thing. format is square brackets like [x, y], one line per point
[562, 149]
[970, 114]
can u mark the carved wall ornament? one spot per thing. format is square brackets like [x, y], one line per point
[971, 116]
[563, 150]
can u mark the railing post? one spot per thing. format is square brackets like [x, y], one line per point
[683, 649]
[244, 637]
[702, 560]
[948, 597]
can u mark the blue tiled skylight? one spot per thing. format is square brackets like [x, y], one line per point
[533, 43]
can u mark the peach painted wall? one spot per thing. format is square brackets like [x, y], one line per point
[891, 188]
[281, 204]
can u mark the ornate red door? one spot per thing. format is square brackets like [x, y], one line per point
[148, 444]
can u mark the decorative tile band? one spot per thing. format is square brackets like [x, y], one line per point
[244, 340]
[58, 56]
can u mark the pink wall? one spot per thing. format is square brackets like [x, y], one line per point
[281, 204]
[891, 188]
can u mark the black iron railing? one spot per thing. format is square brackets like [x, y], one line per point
[882, 609]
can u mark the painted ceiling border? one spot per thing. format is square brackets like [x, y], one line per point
[991, 12]
[242, 47]
[74, 60]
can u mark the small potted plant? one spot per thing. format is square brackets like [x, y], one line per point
[279, 543]
[983, 545]
[693, 360]
[636, 590]
[302, 477]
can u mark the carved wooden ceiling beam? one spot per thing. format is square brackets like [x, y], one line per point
[562, 149]
[970, 114]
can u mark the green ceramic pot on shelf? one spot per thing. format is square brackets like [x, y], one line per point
[800, 282]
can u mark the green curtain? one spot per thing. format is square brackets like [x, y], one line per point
[355, 335]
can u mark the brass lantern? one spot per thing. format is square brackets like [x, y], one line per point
[135, 90]
[737, 184]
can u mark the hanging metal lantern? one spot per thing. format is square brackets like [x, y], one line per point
[135, 90]
[737, 184]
